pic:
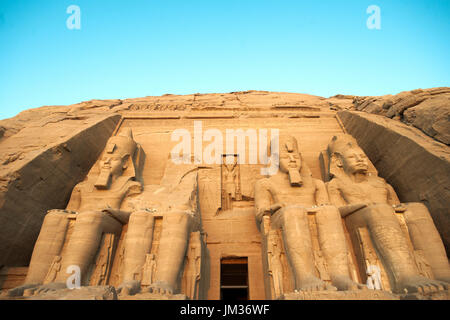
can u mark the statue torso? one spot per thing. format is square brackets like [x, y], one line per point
[282, 191]
[373, 190]
[92, 199]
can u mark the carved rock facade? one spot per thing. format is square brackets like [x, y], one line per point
[142, 226]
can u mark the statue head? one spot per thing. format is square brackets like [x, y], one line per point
[289, 155]
[115, 159]
[345, 154]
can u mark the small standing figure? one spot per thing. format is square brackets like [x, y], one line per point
[321, 266]
[275, 268]
[148, 270]
[230, 178]
[422, 264]
[101, 270]
[194, 266]
[373, 277]
[53, 270]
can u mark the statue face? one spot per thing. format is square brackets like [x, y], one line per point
[289, 158]
[112, 163]
[354, 160]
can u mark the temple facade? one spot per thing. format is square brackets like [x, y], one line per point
[218, 206]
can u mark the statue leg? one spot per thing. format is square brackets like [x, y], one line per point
[334, 247]
[138, 243]
[85, 240]
[297, 241]
[425, 237]
[171, 252]
[48, 245]
[390, 242]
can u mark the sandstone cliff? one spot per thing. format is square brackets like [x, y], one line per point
[428, 110]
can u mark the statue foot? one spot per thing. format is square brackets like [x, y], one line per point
[421, 285]
[161, 287]
[344, 283]
[445, 279]
[19, 291]
[46, 288]
[129, 288]
[314, 284]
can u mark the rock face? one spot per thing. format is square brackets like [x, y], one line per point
[143, 199]
[428, 110]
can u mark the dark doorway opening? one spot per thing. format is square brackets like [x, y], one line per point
[234, 279]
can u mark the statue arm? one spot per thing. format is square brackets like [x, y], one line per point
[336, 198]
[75, 199]
[321, 193]
[133, 187]
[392, 195]
[262, 199]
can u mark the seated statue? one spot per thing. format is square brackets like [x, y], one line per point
[367, 201]
[287, 197]
[175, 201]
[95, 204]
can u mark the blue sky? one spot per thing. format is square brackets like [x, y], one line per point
[136, 48]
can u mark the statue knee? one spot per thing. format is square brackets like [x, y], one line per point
[54, 215]
[416, 211]
[290, 213]
[178, 215]
[90, 217]
[139, 216]
[381, 213]
[328, 215]
[417, 207]
[329, 210]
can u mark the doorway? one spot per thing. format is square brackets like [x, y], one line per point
[234, 279]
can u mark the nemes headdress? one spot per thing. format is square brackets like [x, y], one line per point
[122, 144]
[340, 144]
[337, 146]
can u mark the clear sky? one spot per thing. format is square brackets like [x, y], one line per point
[136, 48]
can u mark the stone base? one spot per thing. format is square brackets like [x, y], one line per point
[153, 296]
[341, 295]
[441, 295]
[84, 293]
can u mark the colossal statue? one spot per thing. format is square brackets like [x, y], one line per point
[173, 203]
[287, 197]
[367, 201]
[95, 204]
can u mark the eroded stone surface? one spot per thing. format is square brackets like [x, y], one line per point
[426, 109]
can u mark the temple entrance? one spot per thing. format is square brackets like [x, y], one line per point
[234, 279]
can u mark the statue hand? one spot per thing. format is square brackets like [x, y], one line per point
[119, 215]
[399, 208]
[276, 206]
[351, 208]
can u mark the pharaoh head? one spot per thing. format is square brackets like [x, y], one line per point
[290, 161]
[347, 155]
[115, 158]
[289, 155]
